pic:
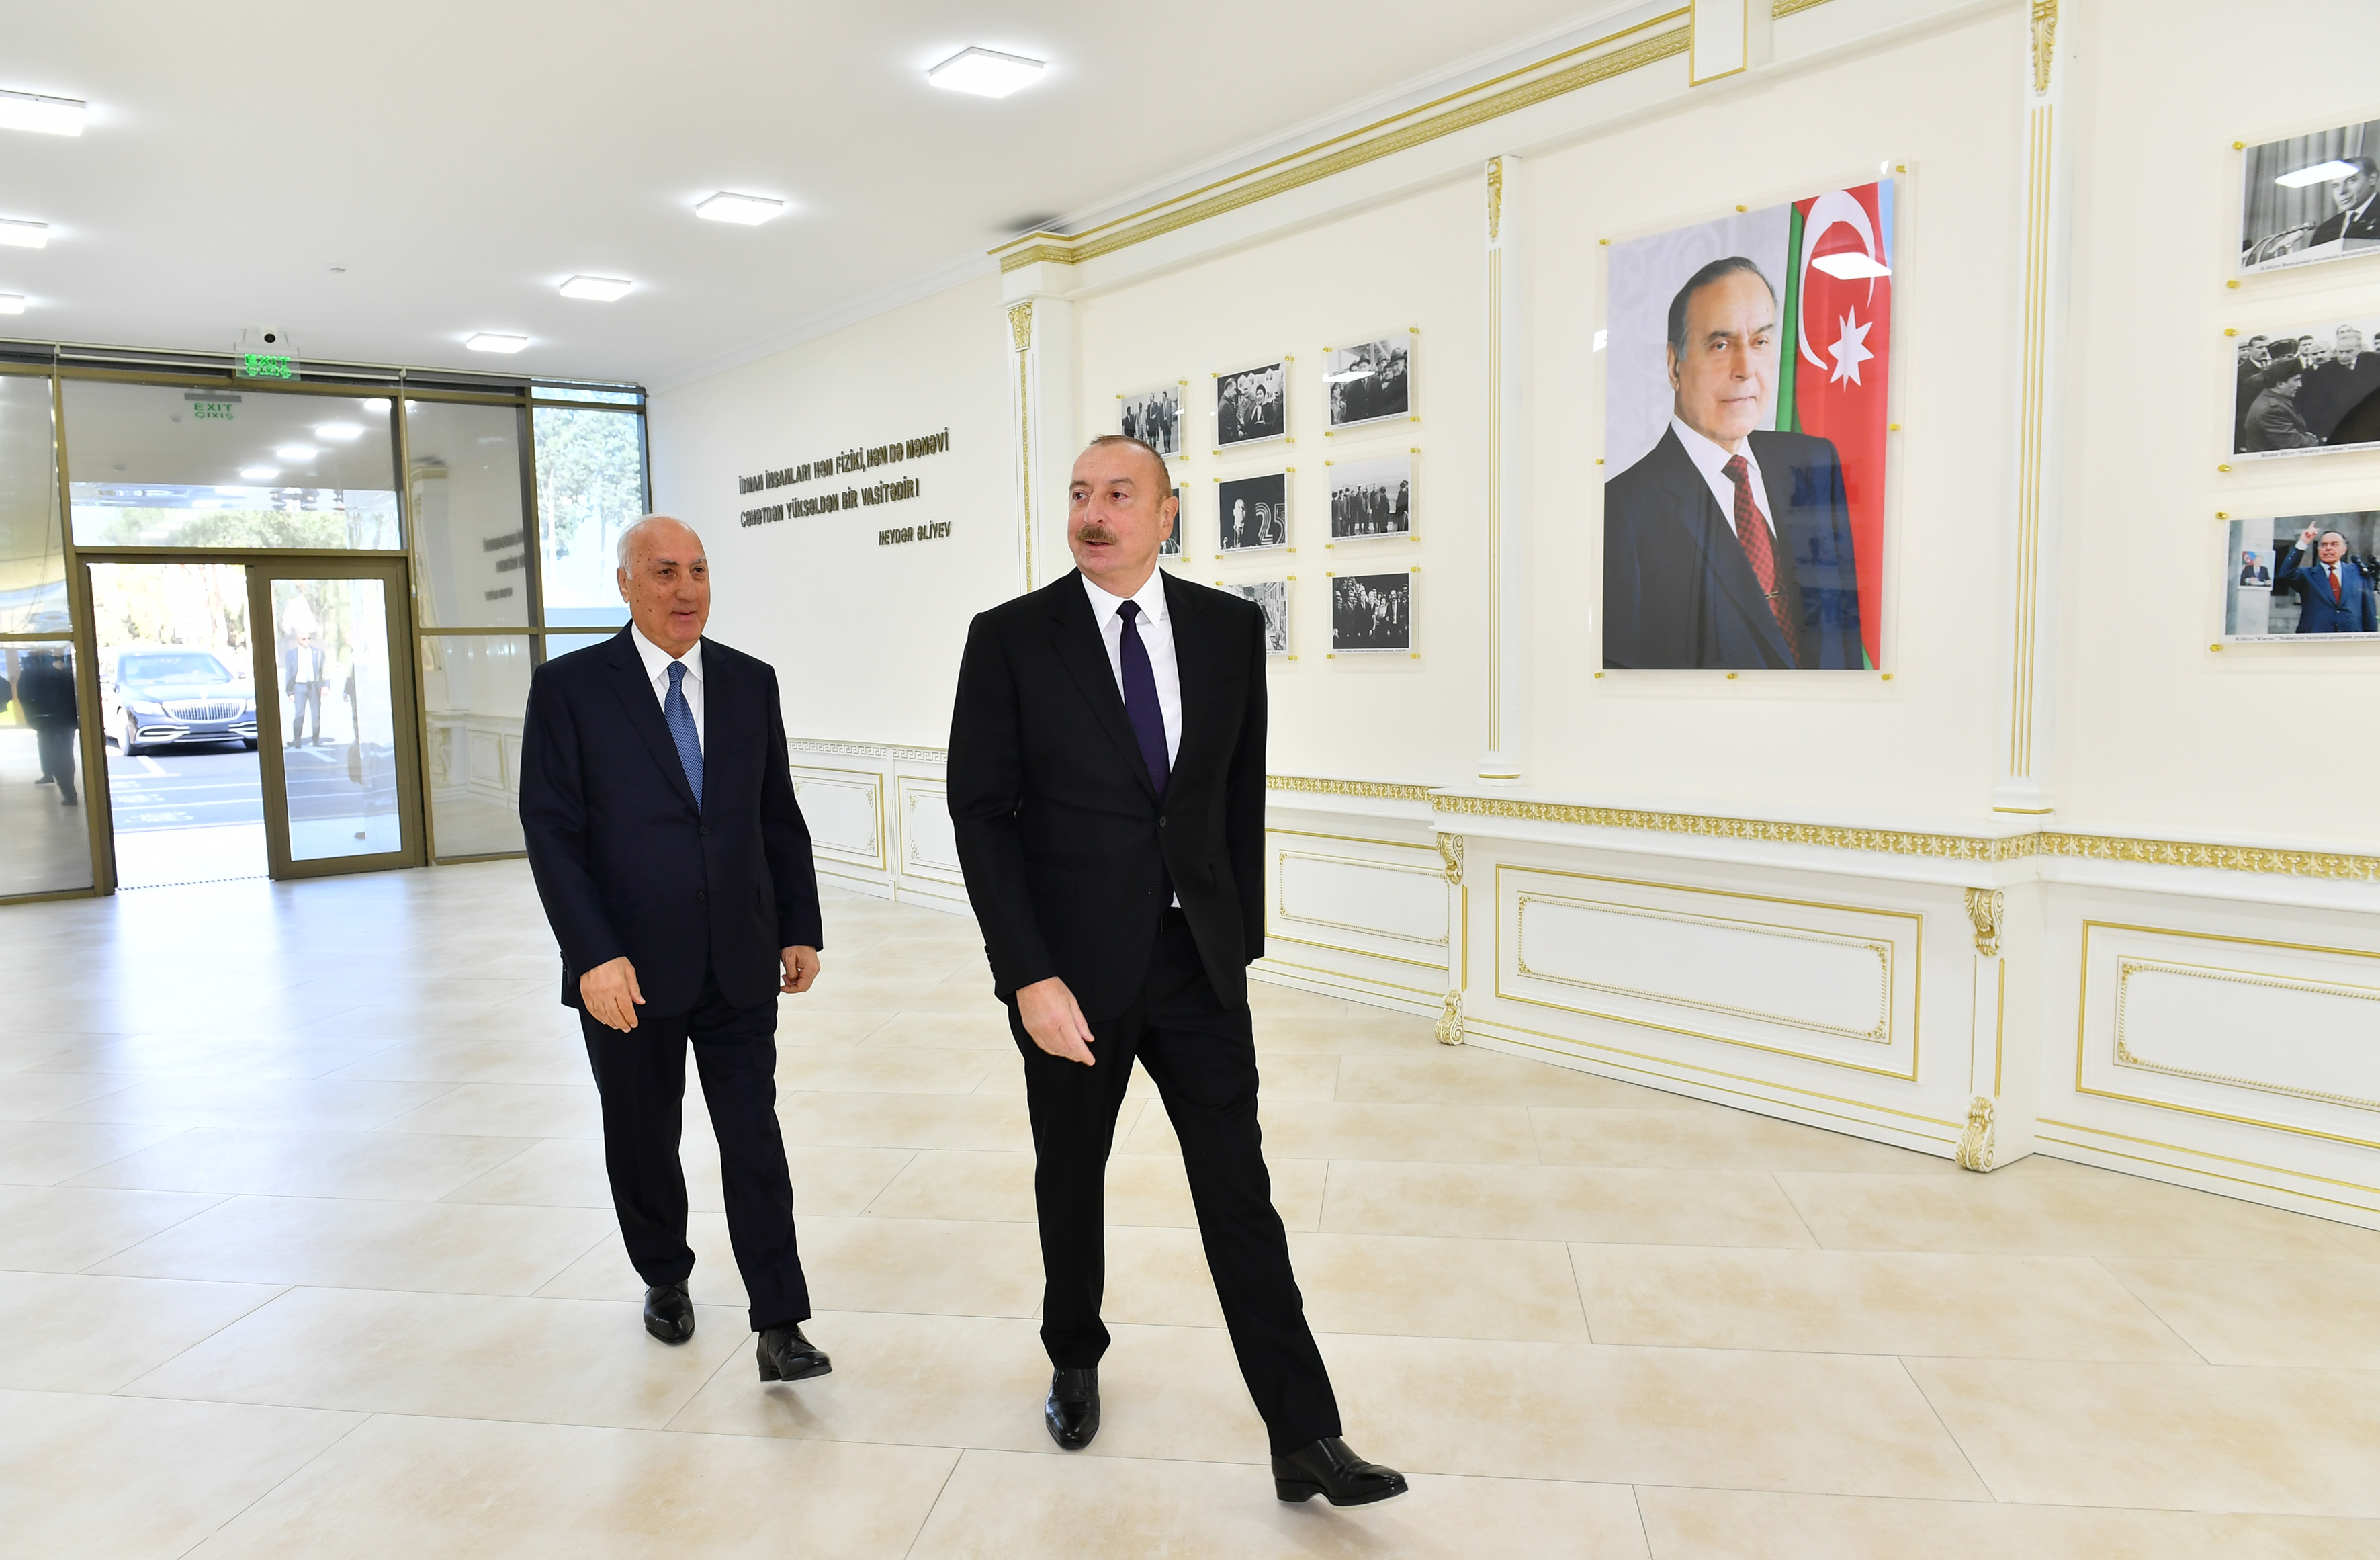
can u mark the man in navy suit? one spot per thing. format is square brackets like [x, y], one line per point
[675, 870]
[1728, 545]
[2333, 595]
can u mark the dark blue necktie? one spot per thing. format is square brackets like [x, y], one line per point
[681, 726]
[1140, 704]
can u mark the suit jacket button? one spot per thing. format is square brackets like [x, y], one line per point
[1161, 823]
[706, 831]
[702, 896]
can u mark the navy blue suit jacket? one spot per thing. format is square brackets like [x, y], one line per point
[2355, 611]
[625, 860]
[1677, 590]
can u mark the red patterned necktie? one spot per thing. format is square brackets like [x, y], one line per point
[2334, 584]
[1752, 530]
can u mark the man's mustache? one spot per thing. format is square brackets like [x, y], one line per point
[1097, 534]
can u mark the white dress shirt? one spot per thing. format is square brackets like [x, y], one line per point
[657, 665]
[1711, 460]
[1157, 637]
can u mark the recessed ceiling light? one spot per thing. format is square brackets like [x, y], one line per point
[598, 289]
[750, 211]
[51, 116]
[25, 235]
[339, 432]
[376, 406]
[2320, 173]
[258, 473]
[490, 341]
[986, 73]
[12, 303]
[295, 452]
[1850, 265]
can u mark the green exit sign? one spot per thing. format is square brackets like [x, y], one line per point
[259, 365]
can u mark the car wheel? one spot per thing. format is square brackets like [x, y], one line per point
[131, 746]
[250, 743]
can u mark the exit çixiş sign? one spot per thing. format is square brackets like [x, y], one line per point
[264, 365]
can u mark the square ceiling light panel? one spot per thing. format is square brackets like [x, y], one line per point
[12, 303]
[596, 289]
[493, 341]
[49, 116]
[986, 73]
[24, 235]
[747, 211]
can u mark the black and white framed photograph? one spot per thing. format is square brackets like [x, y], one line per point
[1171, 547]
[1252, 512]
[1370, 381]
[1252, 405]
[1372, 497]
[1371, 612]
[1154, 417]
[2307, 390]
[2310, 199]
[1272, 597]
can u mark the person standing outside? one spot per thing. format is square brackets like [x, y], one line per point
[307, 675]
[1092, 715]
[45, 692]
[676, 869]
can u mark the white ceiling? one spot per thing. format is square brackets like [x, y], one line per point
[461, 159]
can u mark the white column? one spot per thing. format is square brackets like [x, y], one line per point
[2030, 661]
[1041, 393]
[1508, 469]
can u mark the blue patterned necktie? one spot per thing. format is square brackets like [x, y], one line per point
[1140, 705]
[681, 726]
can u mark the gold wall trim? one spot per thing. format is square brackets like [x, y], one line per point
[2202, 1153]
[1367, 147]
[1379, 790]
[1788, 8]
[2127, 1057]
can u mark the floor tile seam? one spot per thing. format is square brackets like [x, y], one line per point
[2150, 1305]
[135, 1245]
[125, 1389]
[94, 1169]
[1644, 1524]
[900, 1170]
[360, 1061]
[927, 1519]
[324, 1450]
[1965, 1456]
[1812, 1351]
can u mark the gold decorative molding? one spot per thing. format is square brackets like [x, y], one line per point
[1787, 8]
[1976, 1145]
[1495, 197]
[2045, 42]
[1379, 790]
[1985, 908]
[2126, 1057]
[1449, 1019]
[1384, 138]
[1020, 324]
[1449, 851]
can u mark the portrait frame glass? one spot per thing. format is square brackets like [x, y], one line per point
[1262, 526]
[1371, 381]
[1252, 404]
[2310, 199]
[1374, 614]
[2273, 594]
[1272, 598]
[1133, 408]
[1374, 498]
[2331, 402]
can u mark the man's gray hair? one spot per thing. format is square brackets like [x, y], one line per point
[628, 538]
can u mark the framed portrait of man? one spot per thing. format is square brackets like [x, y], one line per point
[1171, 547]
[1370, 381]
[1252, 405]
[1154, 417]
[1373, 497]
[2310, 199]
[1746, 395]
[1252, 512]
[2306, 390]
[1372, 612]
[2301, 579]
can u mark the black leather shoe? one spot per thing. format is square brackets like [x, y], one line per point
[1072, 1411]
[669, 1312]
[1329, 1469]
[787, 1355]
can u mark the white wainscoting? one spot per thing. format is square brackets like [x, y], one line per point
[844, 808]
[930, 846]
[1359, 908]
[879, 820]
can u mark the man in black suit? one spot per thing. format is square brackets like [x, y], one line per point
[1092, 716]
[2251, 572]
[2334, 597]
[2358, 217]
[675, 870]
[2274, 421]
[1725, 546]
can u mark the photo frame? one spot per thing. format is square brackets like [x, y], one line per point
[1370, 381]
[1252, 512]
[1170, 548]
[2278, 584]
[2312, 390]
[2311, 198]
[1252, 404]
[1272, 597]
[1154, 417]
[1373, 614]
[1372, 499]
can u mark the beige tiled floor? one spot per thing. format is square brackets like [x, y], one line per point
[331, 1271]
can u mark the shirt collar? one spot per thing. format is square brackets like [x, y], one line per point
[1708, 457]
[656, 660]
[1151, 597]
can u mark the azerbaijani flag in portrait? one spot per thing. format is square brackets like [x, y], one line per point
[1831, 382]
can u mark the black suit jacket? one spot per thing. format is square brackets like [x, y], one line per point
[2337, 226]
[1677, 588]
[627, 864]
[1063, 840]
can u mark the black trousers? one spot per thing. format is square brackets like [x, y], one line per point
[1202, 1055]
[57, 746]
[641, 1077]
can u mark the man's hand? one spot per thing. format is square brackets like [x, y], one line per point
[801, 968]
[1055, 1020]
[2307, 537]
[611, 995]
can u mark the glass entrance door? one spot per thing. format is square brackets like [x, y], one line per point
[342, 770]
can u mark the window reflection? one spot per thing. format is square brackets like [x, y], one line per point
[591, 487]
[32, 543]
[45, 842]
